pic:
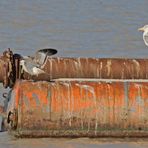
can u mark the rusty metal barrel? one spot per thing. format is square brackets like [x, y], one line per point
[79, 108]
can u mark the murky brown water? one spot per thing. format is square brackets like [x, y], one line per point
[7, 141]
[97, 28]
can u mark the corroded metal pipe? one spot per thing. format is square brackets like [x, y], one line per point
[56, 67]
[96, 68]
[77, 108]
[2, 69]
[8, 68]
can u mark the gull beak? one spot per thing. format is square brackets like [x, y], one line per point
[141, 29]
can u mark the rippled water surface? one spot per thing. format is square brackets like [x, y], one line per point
[100, 28]
[94, 28]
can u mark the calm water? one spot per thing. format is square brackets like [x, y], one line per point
[94, 28]
[100, 28]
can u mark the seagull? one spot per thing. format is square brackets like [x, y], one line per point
[145, 34]
[32, 65]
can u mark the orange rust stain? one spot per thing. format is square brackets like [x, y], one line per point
[132, 104]
[26, 90]
[112, 104]
[108, 103]
[71, 97]
[92, 97]
[138, 97]
[17, 94]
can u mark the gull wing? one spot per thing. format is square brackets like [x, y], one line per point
[28, 65]
[42, 54]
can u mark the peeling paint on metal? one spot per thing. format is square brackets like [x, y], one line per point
[83, 107]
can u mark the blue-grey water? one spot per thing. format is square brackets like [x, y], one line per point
[94, 28]
[100, 28]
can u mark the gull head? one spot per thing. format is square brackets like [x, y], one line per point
[144, 28]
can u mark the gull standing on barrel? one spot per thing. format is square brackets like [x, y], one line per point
[32, 65]
[145, 34]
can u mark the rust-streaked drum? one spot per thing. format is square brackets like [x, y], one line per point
[79, 107]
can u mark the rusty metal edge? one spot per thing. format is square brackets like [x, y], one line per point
[78, 134]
